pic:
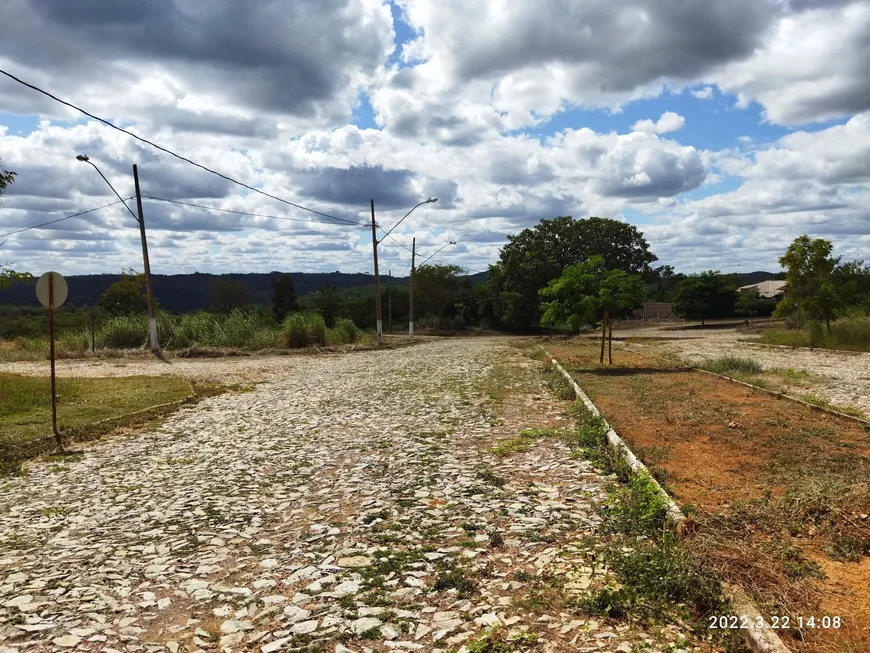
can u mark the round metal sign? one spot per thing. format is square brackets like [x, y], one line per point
[60, 289]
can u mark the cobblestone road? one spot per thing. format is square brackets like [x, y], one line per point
[354, 505]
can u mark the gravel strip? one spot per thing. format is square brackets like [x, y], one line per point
[352, 505]
[846, 374]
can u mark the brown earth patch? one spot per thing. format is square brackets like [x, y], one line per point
[749, 460]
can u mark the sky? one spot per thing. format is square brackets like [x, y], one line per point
[721, 129]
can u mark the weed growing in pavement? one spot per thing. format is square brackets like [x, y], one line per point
[498, 641]
[524, 441]
[455, 579]
[730, 364]
[556, 381]
[491, 478]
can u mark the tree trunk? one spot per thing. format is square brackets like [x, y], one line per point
[609, 340]
[828, 324]
[603, 336]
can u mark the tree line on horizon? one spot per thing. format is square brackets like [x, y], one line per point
[563, 274]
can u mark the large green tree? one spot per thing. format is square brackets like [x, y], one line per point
[537, 255]
[810, 280]
[588, 293]
[705, 296]
[328, 302]
[853, 284]
[439, 286]
[227, 294]
[126, 296]
[283, 296]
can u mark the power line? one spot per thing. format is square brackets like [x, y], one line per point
[75, 215]
[148, 196]
[170, 152]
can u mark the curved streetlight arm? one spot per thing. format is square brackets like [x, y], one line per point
[82, 157]
[429, 201]
[452, 242]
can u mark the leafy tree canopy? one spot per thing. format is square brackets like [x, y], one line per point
[440, 286]
[810, 279]
[6, 178]
[705, 296]
[126, 296]
[8, 277]
[284, 299]
[328, 302]
[227, 294]
[585, 291]
[535, 256]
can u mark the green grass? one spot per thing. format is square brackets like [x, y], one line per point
[557, 382]
[821, 402]
[25, 403]
[523, 441]
[240, 330]
[731, 365]
[847, 333]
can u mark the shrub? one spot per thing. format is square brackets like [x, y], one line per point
[345, 332]
[731, 364]
[124, 332]
[302, 330]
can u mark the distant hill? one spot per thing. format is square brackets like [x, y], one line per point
[749, 278]
[179, 293]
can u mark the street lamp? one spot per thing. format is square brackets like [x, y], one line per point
[152, 316]
[375, 242]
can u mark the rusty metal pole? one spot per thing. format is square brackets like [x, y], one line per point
[53, 379]
[379, 324]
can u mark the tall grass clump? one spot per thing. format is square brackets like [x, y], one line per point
[124, 332]
[731, 364]
[302, 330]
[345, 332]
[245, 329]
[198, 329]
[850, 333]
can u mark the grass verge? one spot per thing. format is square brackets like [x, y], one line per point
[848, 333]
[86, 408]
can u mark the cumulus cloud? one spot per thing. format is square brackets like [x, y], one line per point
[669, 122]
[264, 92]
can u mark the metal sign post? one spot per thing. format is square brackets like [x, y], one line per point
[51, 291]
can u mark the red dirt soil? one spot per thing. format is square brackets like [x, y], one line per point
[722, 443]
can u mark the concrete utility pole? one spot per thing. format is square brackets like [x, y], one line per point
[389, 301]
[152, 316]
[377, 280]
[411, 291]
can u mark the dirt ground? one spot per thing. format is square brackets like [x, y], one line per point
[720, 446]
[840, 377]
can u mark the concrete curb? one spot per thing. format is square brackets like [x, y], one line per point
[759, 640]
[674, 514]
[782, 395]
[847, 352]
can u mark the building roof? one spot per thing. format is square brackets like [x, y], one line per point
[766, 289]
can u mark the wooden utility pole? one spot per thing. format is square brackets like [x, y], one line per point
[377, 280]
[411, 291]
[152, 315]
[389, 301]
